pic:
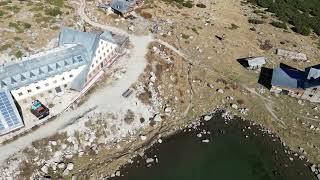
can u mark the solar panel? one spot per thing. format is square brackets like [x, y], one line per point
[7, 112]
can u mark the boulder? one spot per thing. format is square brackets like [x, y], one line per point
[149, 160]
[207, 117]
[313, 168]
[234, 106]
[167, 110]
[318, 176]
[143, 138]
[61, 165]
[206, 141]
[70, 166]
[118, 173]
[153, 79]
[65, 172]
[220, 91]
[53, 143]
[157, 118]
[44, 169]
[160, 141]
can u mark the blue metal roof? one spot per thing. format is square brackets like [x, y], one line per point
[41, 66]
[9, 116]
[121, 6]
[287, 77]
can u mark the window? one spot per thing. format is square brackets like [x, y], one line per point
[38, 87]
[314, 89]
[62, 78]
[29, 91]
[50, 91]
[20, 93]
[55, 81]
[310, 95]
[46, 84]
[71, 75]
[65, 85]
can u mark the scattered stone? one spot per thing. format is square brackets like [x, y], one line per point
[220, 91]
[131, 28]
[210, 85]
[118, 173]
[157, 118]
[290, 158]
[149, 160]
[61, 165]
[318, 176]
[160, 141]
[234, 106]
[68, 156]
[53, 143]
[313, 168]
[168, 110]
[65, 172]
[44, 169]
[206, 141]
[143, 138]
[153, 79]
[199, 135]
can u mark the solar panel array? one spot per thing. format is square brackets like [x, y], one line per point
[7, 112]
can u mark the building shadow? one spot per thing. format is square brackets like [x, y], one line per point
[265, 77]
[18, 108]
[243, 62]
[285, 66]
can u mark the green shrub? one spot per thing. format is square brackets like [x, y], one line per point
[184, 36]
[303, 15]
[255, 21]
[188, 4]
[200, 5]
[53, 11]
[5, 47]
[2, 13]
[279, 24]
[3, 3]
[19, 54]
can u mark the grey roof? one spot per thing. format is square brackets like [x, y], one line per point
[86, 39]
[287, 77]
[9, 116]
[256, 61]
[121, 6]
[41, 66]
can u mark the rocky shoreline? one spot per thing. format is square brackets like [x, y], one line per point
[198, 129]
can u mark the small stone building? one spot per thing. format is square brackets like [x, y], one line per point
[255, 62]
[296, 83]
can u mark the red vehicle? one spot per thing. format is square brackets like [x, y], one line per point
[39, 110]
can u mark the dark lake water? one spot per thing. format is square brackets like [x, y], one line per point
[228, 156]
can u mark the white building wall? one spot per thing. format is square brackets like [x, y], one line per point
[104, 52]
[48, 84]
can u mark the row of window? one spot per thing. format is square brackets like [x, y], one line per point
[46, 85]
